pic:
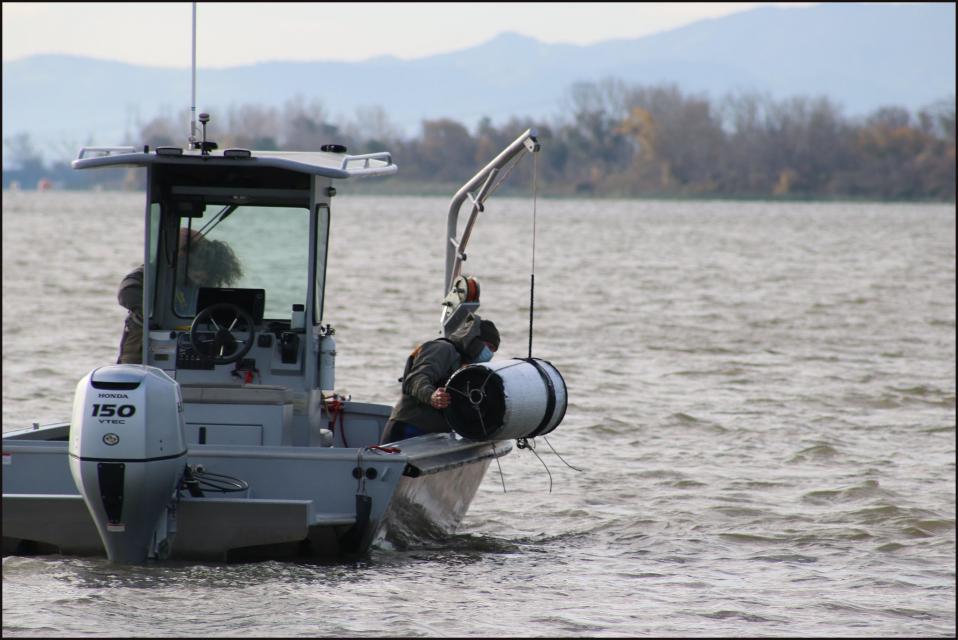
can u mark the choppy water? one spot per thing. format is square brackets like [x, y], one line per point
[762, 400]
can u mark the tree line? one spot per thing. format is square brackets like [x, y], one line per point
[614, 139]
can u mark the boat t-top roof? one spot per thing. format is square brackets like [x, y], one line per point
[329, 164]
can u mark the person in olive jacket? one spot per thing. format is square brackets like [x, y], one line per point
[424, 396]
[130, 297]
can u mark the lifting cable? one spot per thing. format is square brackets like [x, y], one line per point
[532, 274]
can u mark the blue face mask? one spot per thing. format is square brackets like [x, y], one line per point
[485, 355]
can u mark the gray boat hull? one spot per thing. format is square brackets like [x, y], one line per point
[301, 502]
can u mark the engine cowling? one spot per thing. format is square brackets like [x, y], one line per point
[127, 456]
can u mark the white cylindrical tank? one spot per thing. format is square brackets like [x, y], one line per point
[327, 362]
[506, 399]
[127, 453]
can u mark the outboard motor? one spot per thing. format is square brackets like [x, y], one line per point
[506, 399]
[127, 457]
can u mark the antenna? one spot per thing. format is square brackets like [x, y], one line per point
[193, 103]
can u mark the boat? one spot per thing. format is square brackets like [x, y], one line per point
[229, 442]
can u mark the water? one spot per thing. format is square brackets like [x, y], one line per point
[762, 401]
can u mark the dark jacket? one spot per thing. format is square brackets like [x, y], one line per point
[130, 296]
[430, 366]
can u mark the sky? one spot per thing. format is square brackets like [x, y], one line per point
[238, 33]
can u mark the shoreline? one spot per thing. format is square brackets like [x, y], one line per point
[429, 190]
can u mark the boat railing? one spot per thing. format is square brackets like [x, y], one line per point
[104, 151]
[365, 158]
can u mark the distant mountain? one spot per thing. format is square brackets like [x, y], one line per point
[863, 56]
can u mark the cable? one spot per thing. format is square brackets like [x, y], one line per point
[560, 457]
[532, 448]
[532, 274]
[502, 477]
[219, 482]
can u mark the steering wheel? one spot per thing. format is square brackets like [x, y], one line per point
[224, 347]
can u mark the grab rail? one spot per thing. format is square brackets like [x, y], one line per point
[105, 151]
[384, 156]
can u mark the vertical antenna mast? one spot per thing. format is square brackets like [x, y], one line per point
[193, 101]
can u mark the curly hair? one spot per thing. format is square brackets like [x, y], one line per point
[216, 259]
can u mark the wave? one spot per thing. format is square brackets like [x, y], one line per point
[867, 490]
[817, 452]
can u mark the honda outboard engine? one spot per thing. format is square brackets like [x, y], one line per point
[127, 457]
[506, 399]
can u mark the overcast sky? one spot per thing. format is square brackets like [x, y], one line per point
[231, 34]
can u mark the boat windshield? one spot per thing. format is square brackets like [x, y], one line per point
[244, 247]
